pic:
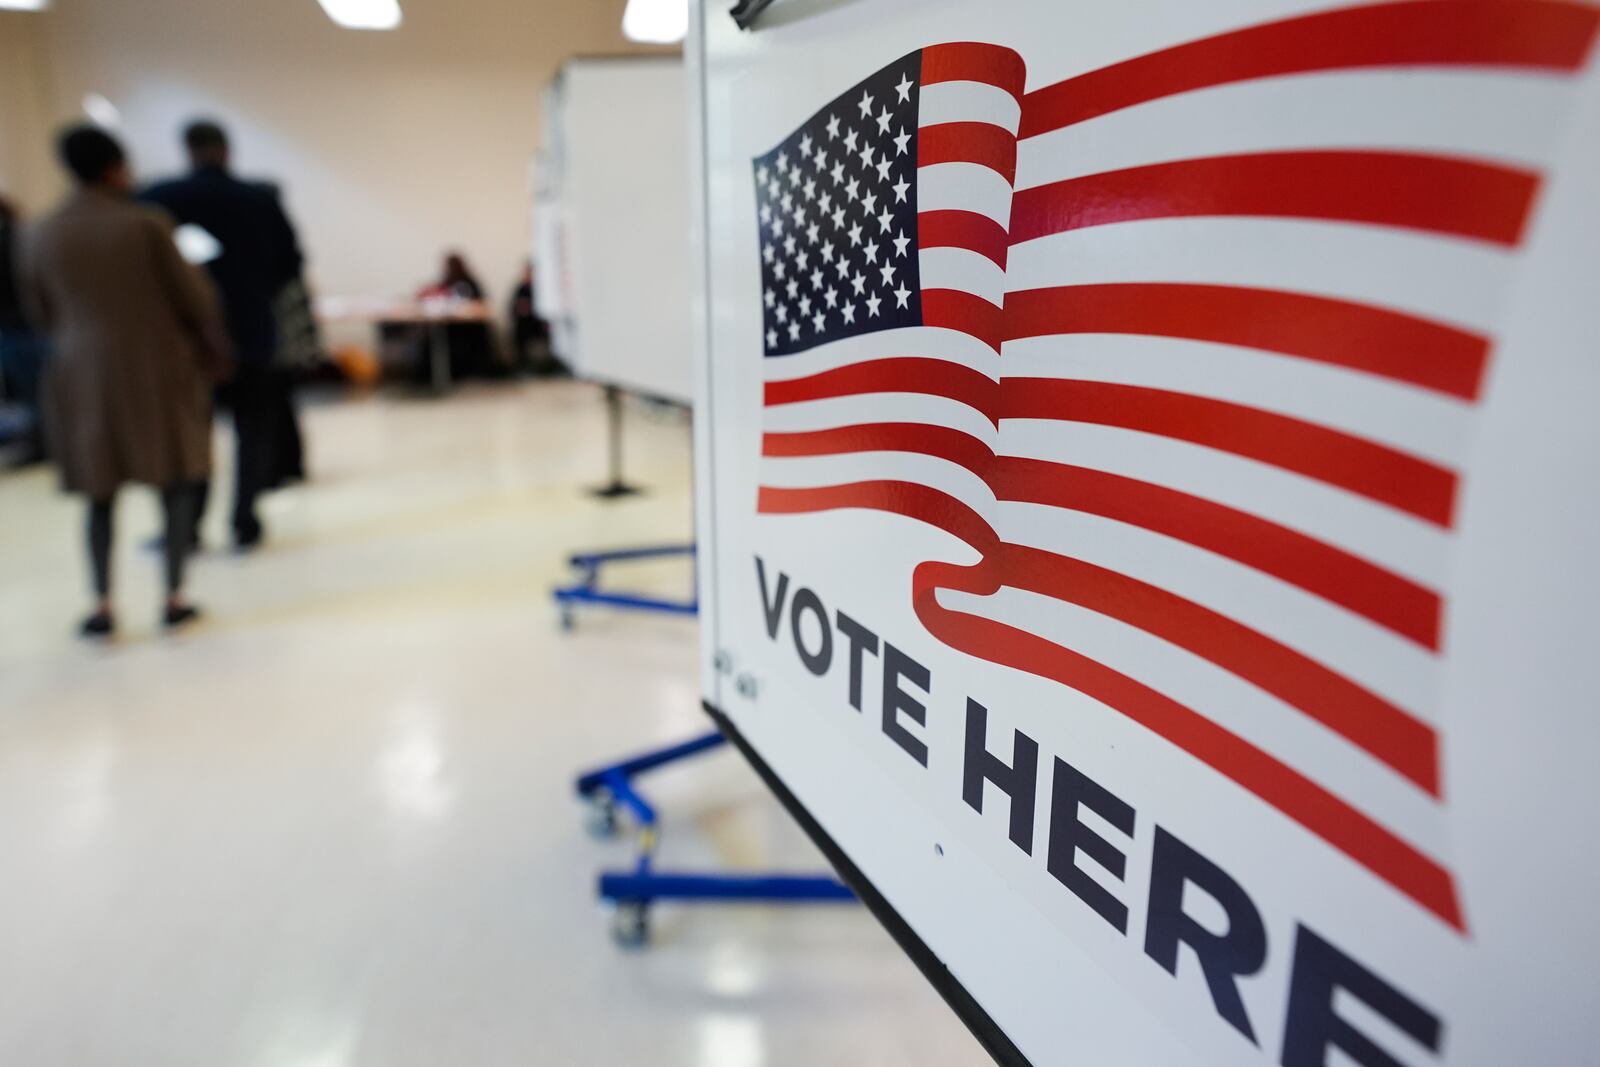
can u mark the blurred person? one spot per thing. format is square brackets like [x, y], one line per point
[530, 334]
[456, 280]
[137, 339]
[260, 255]
[21, 348]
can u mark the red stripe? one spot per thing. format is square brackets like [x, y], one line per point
[1370, 339]
[1323, 570]
[955, 309]
[920, 438]
[1344, 827]
[910, 499]
[1388, 599]
[964, 229]
[1486, 201]
[972, 62]
[1360, 716]
[907, 374]
[1372, 470]
[982, 143]
[1520, 33]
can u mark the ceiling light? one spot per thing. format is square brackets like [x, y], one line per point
[656, 21]
[363, 14]
[101, 111]
[24, 5]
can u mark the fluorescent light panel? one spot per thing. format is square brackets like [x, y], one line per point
[24, 5]
[361, 14]
[656, 21]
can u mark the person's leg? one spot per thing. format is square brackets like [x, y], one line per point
[99, 538]
[252, 427]
[177, 505]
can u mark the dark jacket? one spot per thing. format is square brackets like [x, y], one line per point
[259, 251]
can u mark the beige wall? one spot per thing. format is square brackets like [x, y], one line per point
[391, 147]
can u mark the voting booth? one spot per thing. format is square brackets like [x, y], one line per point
[610, 239]
[1146, 476]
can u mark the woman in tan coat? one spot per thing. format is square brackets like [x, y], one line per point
[137, 340]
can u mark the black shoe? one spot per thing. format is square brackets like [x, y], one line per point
[178, 615]
[98, 625]
[248, 537]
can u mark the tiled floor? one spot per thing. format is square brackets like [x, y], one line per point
[332, 826]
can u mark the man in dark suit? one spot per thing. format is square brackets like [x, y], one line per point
[259, 256]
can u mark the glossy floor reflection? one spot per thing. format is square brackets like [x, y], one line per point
[332, 826]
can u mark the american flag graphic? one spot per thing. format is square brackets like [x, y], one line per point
[1186, 351]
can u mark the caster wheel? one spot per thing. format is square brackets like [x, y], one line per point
[630, 926]
[601, 818]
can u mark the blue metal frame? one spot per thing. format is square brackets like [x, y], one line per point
[586, 589]
[610, 789]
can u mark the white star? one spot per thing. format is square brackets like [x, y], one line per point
[850, 141]
[794, 176]
[782, 314]
[866, 105]
[798, 214]
[766, 212]
[831, 296]
[794, 331]
[838, 216]
[833, 126]
[900, 295]
[793, 288]
[816, 278]
[853, 190]
[761, 174]
[866, 156]
[805, 305]
[884, 218]
[816, 322]
[858, 282]
[777, 226]
[802, 261]
[855, 236]
[825, 205]
[883, 121]
[766, 253]
[772, 338]
[849, 315]
[904, 89]
[872, 305]
[783, 162]
[786, 201]
[887, 270]
[837, 173]
[788, 245]
[769, 298]
[820, 161]
[883, 169]
[869, 204]
[900, 188]
[843, 266]
[805, 146]
[900, 244]
[826, 251]
[773, 186]
[810, 189]
[811, 233]
[779, 269]
[900, 143]
[871, 251]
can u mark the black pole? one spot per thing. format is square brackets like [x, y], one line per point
[616, 486]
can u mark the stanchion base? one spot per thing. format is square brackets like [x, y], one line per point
[614, 490]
